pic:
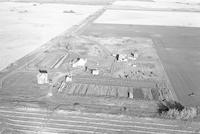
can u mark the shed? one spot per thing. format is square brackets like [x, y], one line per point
[95, 71]
[80, 62]
[121, 57]
[134, 55]
[68, 78]
[42, 77]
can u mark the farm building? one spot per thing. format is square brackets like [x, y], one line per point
[68, 78]
[42, 77]
[95, 71]
[121, 57]
[134, 55]
[80, 62]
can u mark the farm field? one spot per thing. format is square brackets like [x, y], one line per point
[134, 17]
[77, 2]
[27, 26]
[174, 38]
[176, 46]
[139, 78]
[34, 120]
[99, 66]
[156, 5]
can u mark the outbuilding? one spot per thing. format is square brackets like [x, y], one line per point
[121, 57]
[134, 55]
[42, 77]
[80, 62]
[68, 78]
[95, 71]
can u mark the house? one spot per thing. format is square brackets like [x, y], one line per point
[68, 78]
[130, 95]
[79, 62]
[42, 77]
[121, 57]
[134, 65]
[134, 55]
[95, 71]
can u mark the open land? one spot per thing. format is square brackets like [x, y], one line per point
[111, 65]
[178, 49]
[155, 6]
[175, 40]
[78, 2]
[169, 18]
[27, 26]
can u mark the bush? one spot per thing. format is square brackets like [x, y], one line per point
[167, 105]
[162, 108]
[172, 114]
[175, 110]
[188, 113]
